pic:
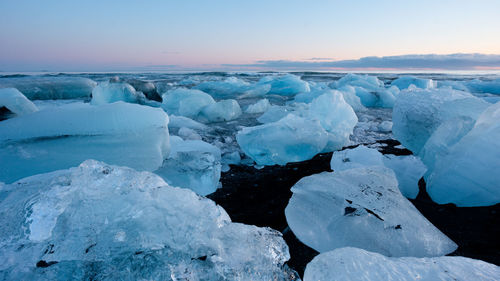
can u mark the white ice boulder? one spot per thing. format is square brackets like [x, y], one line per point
[192, 164]
[408, 168]
[291, 139]
[259, 107]
[221, 111]
[466, 173]
[417, 113]
[286, 85]
[185, 102]
[113, 223]
[181, 121]
[57, 138]
[232, 87]
[109, 92]
[50, 87]
[16, 102]
[361, 207]
[352, 264]
[405, 81]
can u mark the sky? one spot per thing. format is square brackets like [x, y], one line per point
[105, 35]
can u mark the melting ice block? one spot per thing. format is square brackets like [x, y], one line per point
[186, 102]
[290, 139]
[220, 111]
[370, 83]
[484, 86]
[408, 169]
[405, 82]
[417, 113]
[114, 223]
[361, 207]
[50, 87]
[466, 173]
[259, 107]
[287, 85]
[56, 138]
[352, 264]
[108, 92]
[192, 164]
[15, 102]
[232, 87]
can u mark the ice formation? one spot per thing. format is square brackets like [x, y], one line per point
[108, 92]
[465, 171]
[16, 102]
[147, 88]
[417, 113]
[484, 86]
[186, 102]
[192, 164]
[50, 87]
[290, 139]
[103, 222]
[119, 133]
[224, 110]
[405, 81]
[368, 82]
[408, 169]
[232, 87]
[361, 207]
[259, 107]
[286, 85]
[352, 264]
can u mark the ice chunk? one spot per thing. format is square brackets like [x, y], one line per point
[467, 174]
[188, 134]
[50, 87]
[192, 164]
[484, 86]
[385, 126]
[405, 81]
[221, 111]
[351, 98]
[181, 121]
[232, 87]
[370, 83]
[107, 223]
[290, 139]
[15, 102]
[274, 113]
[108, 92]
[361, 207]
[417, 113]
[287, 85]
[57, 138]
[259, 107]
[185, 102]
[408, 169]
[147, 88]
[352, 264]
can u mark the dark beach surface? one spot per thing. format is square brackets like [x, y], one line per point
[259, 197]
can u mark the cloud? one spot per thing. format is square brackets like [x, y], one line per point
[430, 61]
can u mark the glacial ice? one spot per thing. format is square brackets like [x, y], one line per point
[466, 173]
[361, 207]
[351, 98]
[147, 88]
[50, 87]
[259, 107]
[405, 81]
[120, 133]
[103, 222]
[185, 102]
[232, 87]
[275, 113]
[181, 121]
[290, 139]
[16, 102]
[368, 82]
[109, 92]
[484, 86]
[417, 113]
[224, 110]
[285, 85]
[352, 264]
[408, 169]
[192, 164]
[188, 134]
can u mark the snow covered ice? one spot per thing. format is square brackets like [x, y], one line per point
[47, 140]
[345, 264]
[108, 223]
[361, 207]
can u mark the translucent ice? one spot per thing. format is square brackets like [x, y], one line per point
[50, 87]
[417, 113]
[104, 222]
[287, 85]
[484, 86]
[290, 139]
[361, 207]
[232, 87]
[370, 83]
[405, 81]
[192, 164]
[185, 102]
[352, 264]
[16, 102]
[259, 107]
[220, 111]
[108, 92]
[147, 88]
[62, 137]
